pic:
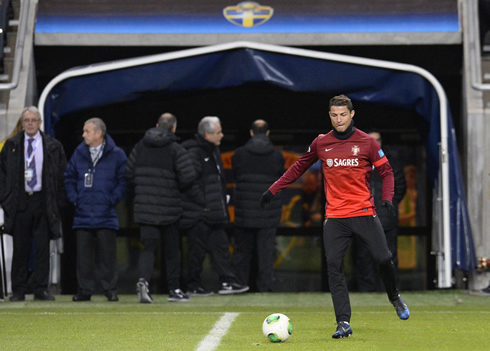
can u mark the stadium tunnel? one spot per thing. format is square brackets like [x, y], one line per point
[244, 82]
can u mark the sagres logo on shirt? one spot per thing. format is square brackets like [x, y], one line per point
[248, 14]
[343, 162]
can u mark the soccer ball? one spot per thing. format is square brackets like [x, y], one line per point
[277, 327]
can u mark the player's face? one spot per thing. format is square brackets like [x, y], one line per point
[340, 117]
[216, 136]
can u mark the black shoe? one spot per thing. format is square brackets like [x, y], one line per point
[111, 296]
[81, 297]
[343, 331]
[143, 291]
[17, 297]
[199, 291]
[43, 296]
[401, 308]
[232, 288]
[177, 295]
[486, 291]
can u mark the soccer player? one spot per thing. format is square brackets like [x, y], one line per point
[348, 156]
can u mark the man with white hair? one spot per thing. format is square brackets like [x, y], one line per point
[205, 211]
[32, 194]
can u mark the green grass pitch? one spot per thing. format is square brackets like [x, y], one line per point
[440, 320]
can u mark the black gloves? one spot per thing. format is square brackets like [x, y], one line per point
[390, 207]
[266, 198]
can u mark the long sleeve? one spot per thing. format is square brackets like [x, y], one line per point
[297, 169]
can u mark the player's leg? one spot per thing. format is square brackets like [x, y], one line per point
[370, 230]
[337, 233]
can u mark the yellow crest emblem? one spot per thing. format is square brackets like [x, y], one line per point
[248, 14]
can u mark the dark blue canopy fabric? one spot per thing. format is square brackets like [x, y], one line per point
[232, 68]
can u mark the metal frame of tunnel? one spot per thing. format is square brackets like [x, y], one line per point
[443, 260]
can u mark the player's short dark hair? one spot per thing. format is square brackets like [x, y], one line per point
[341, 100]
[167, 121]
[259, 127]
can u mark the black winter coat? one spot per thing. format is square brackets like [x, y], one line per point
[376, 182]
[206, 199]
[159, 168]
[12, 187]
[257, 165]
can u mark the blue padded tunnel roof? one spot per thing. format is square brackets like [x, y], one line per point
[168, 73]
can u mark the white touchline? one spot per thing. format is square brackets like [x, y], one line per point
[212, 340]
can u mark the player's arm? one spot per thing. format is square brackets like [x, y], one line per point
[292, 174]
[385, 171]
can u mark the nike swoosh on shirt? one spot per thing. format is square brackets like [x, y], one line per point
[327, 150]
[206, 159]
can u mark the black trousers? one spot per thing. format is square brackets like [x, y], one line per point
[150, 238]
[31, 226]
[205, 237]
[337, 233]
[367, 277]
[250, 241]
[102, 242]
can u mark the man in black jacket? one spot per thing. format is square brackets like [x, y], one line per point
[32, 194]
[159, 168]
[256, 165]
[206, 213]
[368, 279]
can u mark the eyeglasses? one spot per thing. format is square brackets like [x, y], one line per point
[33, 120]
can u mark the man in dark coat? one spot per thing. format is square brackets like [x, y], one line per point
[367, 277]
[159, 168]
[256, 165]
[32, 194]
[206, 213]
[94, 181]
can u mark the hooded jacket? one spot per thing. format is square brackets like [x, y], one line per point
[95, 207]
[12, 191]
[159, 168]
[256, 165]
[206, 199]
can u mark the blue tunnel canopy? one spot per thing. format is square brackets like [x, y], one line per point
[216, 68]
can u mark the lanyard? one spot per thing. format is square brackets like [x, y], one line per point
[98, 156]
[29, 158]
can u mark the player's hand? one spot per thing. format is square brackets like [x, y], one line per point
[266, 198]
[390, 207]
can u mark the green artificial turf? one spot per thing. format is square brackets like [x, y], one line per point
[440, 320]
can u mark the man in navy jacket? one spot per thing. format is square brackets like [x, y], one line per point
[94, 181]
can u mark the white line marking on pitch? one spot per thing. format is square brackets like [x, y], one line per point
[213, 339]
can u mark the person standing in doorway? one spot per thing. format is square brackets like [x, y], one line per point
[32, 195]
[366, 271]
[94, 181]
[255, 166]
[206, 213]
[160, 169]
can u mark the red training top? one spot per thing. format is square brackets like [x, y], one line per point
[346, 166]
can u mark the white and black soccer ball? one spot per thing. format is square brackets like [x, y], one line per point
[277, 327]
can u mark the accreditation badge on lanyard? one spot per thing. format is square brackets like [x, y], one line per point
[29, 168]
[89, 179]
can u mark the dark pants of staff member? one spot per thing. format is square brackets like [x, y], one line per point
[31, 226]
[367, 277]
[106, 259]
[150, 238]
[337, 233]
[204, 237]
[262, 242]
